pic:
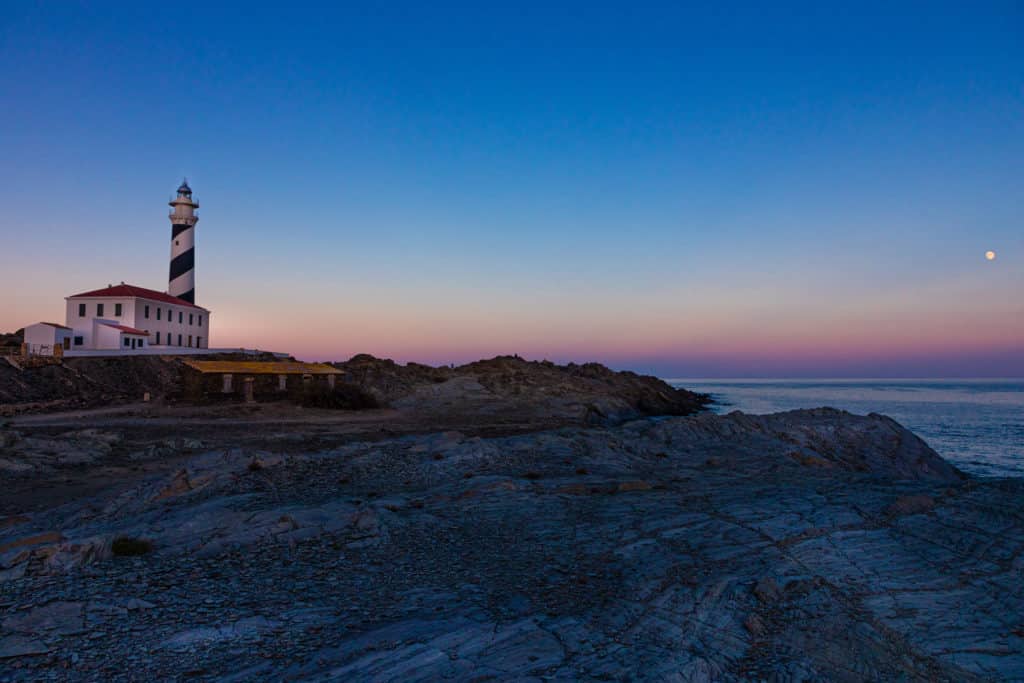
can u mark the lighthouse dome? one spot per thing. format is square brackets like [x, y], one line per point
[184, 188]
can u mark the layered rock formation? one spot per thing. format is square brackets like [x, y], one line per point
[83, 382]
[589, 393]
[805, 546]
[524, 390]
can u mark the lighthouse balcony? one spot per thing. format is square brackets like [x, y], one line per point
[179, 219]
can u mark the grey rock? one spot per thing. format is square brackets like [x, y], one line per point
[819, 546]
[20, 646]
[58, 617]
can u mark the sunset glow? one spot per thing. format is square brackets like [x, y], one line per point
[691, 202]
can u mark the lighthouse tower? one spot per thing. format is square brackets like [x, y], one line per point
[182, 283]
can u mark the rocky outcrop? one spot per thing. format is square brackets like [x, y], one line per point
[84, 382]
[507, 386]
[589, 393]
[812, 545]
[24, 454]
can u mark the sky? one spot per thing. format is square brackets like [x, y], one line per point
[742, 190]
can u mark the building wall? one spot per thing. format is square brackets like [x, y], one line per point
[84, 325]
[209, 387]
[42, 338]
[133, 314]
[198, 325]
[40, 335]
[105, 337]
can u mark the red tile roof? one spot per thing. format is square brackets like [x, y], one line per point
[140, 292]
[125, 328]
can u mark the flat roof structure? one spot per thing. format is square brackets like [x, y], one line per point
[245, 367]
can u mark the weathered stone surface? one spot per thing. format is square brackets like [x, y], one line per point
[23, 454]
[59, 617]
[588, 393]
[20, 646]
[574, 554]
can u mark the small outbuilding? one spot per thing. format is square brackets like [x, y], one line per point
[254, 380]
[47, 339]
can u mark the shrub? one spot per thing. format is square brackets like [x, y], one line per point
[125, 546]
[341, 397]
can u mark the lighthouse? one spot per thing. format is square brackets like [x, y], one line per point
[182, 281]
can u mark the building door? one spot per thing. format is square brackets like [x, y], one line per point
[67, 343]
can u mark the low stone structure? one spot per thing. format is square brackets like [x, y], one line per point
[206, 380]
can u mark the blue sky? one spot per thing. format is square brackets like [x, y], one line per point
[793, 189]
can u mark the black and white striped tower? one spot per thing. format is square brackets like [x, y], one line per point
[182, 283]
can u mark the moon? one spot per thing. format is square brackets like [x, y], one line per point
[990, 255]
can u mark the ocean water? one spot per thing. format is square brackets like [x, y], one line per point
[976, 424]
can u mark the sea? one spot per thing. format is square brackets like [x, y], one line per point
[977, 424]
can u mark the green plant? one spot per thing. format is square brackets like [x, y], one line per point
[126, 546]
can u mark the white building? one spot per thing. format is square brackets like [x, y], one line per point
[128, 319]
[42, 339]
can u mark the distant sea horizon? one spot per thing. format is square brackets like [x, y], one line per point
[975, 423]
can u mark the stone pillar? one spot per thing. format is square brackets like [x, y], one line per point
[248, 385]
[226, 389]
[282, 382]
[330, 381]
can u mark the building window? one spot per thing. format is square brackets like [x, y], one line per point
[145, 313]
[117, 310]
[81, 310]
[170, 315]
[199, 342]
[99, 309]
[79, 341]
[158, 312]
[127, 341]
[189, 318]
[181, 317]
[179, 340]
[200, 321]
[141, 342]
[158, 334]
[190, 341]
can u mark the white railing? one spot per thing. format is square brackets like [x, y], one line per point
[163, 351]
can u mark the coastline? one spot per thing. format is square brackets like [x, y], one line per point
[977, 423]
[499, 523]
